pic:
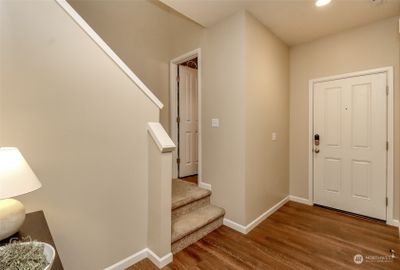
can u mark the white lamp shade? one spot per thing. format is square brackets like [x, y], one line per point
[16, 177]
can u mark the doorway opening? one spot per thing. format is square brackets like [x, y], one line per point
[185, 116]
[187, 120]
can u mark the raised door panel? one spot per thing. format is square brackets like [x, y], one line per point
[333, 116]
[361, 179]
[361, 115]
[332, 175]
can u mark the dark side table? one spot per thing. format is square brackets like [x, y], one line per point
[35, 227]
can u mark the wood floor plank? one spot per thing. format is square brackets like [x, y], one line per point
[295, 237]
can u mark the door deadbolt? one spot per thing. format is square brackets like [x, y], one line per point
[316, 139]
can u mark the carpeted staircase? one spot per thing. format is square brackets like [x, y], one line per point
[193, 217]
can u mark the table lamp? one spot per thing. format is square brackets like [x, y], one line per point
[16, 178]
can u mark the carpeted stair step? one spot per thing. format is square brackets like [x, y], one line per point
[184, 193]
[187, 197]
[194, 225]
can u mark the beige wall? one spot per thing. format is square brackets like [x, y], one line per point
[223, 95]
[228, 49]
[141, 33]
[245, 85]
[186, 36]
[75, 117]
[371, 46]
[267, 111]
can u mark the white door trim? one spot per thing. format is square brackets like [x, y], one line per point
[173, 109]
[390, 135]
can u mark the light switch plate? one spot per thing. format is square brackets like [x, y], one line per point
[215, 122]
[274, 136]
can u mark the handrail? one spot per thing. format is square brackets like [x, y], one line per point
[160, 137]
[102, 45]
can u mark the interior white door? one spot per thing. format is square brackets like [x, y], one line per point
[188, 124]
[350, 118]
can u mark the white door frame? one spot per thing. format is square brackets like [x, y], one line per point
[173, 110]
[390, 135]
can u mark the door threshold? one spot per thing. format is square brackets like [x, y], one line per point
[376, 220]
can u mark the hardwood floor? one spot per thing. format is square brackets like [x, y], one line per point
[295, 237]
[190, 179]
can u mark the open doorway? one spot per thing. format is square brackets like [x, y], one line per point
[185, 116]
[187, 120]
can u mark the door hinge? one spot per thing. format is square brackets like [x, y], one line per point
[178, 160]
[177, 78]
[387, 90]
[387, 146]
[387, 201]
[178, 119]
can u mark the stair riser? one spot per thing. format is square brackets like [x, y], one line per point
[190, 207]
[196, 235]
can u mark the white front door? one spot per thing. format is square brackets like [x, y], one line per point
[188, 124]
[350, 117]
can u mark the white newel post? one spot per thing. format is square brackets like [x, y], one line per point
[160, 148]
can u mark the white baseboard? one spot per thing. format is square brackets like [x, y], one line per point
[138, 256]
[205, 185]
[159, 262]
[300, 200]
[131, 260]
[393, 222]
[246, 229]
[266, 214]
[236, 226]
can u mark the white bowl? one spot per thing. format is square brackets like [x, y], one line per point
[48, 251]
[50, 254]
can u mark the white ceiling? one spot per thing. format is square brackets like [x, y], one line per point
[294, 21]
